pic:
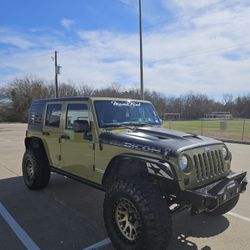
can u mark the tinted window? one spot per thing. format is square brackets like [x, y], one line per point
[76, 112]
[53, 115]
[116, 113]
[36, 113]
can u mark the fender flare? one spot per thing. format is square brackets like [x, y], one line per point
[36, 144]
[151, 166]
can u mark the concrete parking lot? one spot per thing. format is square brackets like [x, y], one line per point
[68, 214]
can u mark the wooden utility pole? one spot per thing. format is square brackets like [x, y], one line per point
[141, 51]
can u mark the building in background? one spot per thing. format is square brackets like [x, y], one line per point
[219, 115]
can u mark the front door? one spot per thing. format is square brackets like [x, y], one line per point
[77, 152]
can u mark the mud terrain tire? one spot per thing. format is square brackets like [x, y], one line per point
[36, 172]
[150, 216]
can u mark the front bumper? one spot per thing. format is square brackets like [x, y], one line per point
[210, 197]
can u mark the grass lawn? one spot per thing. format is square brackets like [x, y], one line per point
[232, 130]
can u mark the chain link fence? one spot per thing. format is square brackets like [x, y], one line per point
[228, 130]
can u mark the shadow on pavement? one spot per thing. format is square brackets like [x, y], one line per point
[199, 226]
[65, 215]
[68, 215]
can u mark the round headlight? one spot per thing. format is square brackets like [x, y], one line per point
[183, 163]
[224, 152]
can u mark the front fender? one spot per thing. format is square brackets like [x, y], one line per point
[145, 164]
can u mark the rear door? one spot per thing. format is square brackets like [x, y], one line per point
[77, 151]
[52, 131]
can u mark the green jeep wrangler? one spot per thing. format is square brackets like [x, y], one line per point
[148, 173]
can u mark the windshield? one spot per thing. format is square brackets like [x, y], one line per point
[119, 113]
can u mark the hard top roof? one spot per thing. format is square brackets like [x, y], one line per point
[84, 98]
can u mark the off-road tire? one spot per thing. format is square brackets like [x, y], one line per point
[224, 208]
[154, 214]
[38, 165]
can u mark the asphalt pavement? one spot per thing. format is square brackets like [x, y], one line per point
[68, 214]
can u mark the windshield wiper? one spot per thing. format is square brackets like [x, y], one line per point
[117, 125]
[130, 125]
[141, 124]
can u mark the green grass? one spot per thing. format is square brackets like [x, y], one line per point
[212, 128]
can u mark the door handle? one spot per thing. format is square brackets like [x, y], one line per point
[66, 137]
[46, 133]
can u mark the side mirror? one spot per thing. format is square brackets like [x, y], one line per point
[81, 126]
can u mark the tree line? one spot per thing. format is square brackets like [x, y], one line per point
[21, 92]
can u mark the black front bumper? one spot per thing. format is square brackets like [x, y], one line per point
[210, 197]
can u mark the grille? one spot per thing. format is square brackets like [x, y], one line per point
[208, 165]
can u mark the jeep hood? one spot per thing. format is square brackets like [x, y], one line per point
[157, 140]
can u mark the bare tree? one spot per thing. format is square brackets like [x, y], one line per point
[85, 90]
[22, 92]
[192, 105]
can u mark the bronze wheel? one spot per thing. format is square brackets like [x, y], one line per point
[128, 219]
[136, 215]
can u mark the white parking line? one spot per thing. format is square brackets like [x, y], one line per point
[239, 216]
[99, 244]
[20, 233]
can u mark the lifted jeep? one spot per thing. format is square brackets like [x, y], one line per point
[148, 173]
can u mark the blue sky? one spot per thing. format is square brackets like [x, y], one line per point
[189, 45]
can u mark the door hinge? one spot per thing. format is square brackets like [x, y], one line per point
[93, 146]
[59, 157]
[94, 168]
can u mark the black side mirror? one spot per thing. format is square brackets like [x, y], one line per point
[81, 126]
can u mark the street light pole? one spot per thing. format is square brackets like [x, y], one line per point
[56, 75]
[141, 51]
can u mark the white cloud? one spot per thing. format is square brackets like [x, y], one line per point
[9, 37]
[206, 51]
[130, 3]
[191, 4]
[67, 23]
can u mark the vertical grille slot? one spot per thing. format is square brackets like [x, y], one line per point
[210, 164]
[221, 161]
[214, 163]
[201, 166]
[197, 167]
[217, 162]
[207, 170]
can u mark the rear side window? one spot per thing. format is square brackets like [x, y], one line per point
[53, 115]
[36, 113]
[36, 116]
[76, 111]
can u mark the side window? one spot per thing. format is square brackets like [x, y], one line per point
[53, 115]
[75, 112]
